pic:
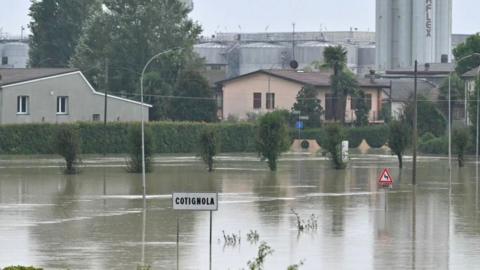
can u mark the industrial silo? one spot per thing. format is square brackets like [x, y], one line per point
[15, 55]
[366, 59]
[255, 56]
[308, 52]
[213, 53]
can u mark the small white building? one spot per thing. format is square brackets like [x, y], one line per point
[58, 95]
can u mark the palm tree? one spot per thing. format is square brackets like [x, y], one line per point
[336, 58]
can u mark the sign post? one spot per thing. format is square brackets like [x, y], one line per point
[386, 181]
[196, 202]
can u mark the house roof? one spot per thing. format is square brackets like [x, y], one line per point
[17, 75]
[472, 73]
[402, 89]
[307, 78]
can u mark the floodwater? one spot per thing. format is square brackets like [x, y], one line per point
[96, 220]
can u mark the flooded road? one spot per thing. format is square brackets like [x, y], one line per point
[95, 220]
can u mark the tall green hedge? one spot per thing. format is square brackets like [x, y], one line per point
[169, 137]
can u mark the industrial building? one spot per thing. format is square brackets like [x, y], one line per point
[236, 54]
[409, 30]
[13, 54]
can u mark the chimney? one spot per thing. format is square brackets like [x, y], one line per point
[372, 75]
[444, 58]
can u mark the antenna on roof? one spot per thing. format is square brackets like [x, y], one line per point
[293, 63]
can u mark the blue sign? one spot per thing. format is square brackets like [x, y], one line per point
[299, 125]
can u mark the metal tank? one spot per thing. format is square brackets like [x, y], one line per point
[308, 52]
[213, 53]
[366, 59]
[16, 53]
[255, 56]
[443, 30]
[401, 33]
[352, 58]
[383, 34]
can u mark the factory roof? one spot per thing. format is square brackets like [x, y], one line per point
[17, 75]
[307, 78]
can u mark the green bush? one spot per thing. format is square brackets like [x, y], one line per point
[67, 145]
[335, 134]
[272, 137]
[355, 136]
[134, 163]
[436, 145]
[376, 136]
[208, 144]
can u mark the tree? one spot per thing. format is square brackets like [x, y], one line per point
[335, 134]
[202, 108]
[469, 47]
[309, 105]
[208, 146]
[272, 137]
[343, 84]
[67, 144]
[429, 117]
[126, 34]
[56, 26]
[460, 138]
[399, 139]
[457, 93]
[134, 164]
[336, 58]
[361, 108]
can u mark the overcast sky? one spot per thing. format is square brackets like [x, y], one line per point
[273, 15]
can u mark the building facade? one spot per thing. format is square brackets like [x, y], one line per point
[59, 96]
[264, 91]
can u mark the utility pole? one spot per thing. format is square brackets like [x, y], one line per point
[105, 110]
[414, 136]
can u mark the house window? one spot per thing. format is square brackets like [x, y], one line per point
[62, 105]
[22, 104]
[257, 100]
[96, 117]
[270, 100]
[4, 60]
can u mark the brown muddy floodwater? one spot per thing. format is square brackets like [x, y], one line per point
[95, 220]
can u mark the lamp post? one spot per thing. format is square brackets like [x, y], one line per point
[143, 120]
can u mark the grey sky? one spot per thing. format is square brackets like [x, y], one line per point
[277, 15]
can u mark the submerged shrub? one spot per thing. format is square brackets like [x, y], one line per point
[67, 142]
[134, 164]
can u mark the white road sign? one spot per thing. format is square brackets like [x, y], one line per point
[195, 201]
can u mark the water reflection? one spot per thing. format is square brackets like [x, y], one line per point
[98, 220]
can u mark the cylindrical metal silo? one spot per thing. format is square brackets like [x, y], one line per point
[255, 56]
[213, 53]
[16, 54]
[443, 29]
[308, 52]
[366, 59]
[401, 33]
[383, 34]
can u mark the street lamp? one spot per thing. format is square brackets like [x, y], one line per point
[143, 121]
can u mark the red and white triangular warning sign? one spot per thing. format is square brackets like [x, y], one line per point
[385, 178]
